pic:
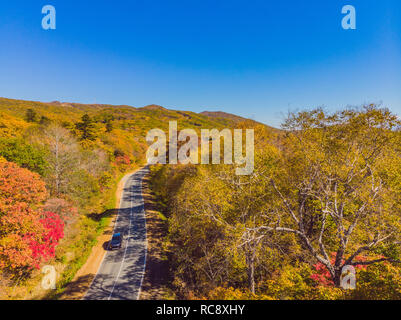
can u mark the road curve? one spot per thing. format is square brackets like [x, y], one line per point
[121, 272]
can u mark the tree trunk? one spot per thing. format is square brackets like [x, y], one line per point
[250, 261]
[337, 277]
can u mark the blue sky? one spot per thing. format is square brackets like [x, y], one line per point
[258, 59]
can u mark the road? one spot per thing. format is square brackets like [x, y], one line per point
[121, 273]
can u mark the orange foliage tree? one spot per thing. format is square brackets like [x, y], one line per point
[23, 227]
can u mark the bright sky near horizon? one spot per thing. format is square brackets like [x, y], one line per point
[257, 59]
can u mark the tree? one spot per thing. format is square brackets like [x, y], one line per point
[53, 230]
[82, 187]
[95, 162]
[27, 236]
[219, 220]
[63, 158]
[27, 156]
[241, 216]
[333, 188]
[108, 120]
[31, 115]
[109, 126]
[86, 128]
[44, 121]
[18, 185]
[62, 208]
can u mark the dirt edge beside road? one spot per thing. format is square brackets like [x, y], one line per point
[80, 284]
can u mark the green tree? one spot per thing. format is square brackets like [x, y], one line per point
[28, 156]
[82, 187]
[86, 128]
[31, 115]
[107, 119]
[44, 121]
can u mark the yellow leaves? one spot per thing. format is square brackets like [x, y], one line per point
[379, 282]
[11, 126]
[221, 293]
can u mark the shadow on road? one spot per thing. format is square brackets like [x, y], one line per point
[106, 245]
[158, 276]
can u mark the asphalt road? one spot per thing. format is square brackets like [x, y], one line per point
[121, 273]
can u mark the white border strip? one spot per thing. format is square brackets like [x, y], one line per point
[146, 243]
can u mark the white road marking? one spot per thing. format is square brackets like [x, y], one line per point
[129, 234]
[114, 228]
[125, 251]
[146, 246]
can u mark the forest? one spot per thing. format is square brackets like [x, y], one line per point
[59, 168]
[324, 197]
[323, 201]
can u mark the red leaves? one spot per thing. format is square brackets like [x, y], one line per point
[44, 248]
[323, 276]
[27, 236]
[123, 160]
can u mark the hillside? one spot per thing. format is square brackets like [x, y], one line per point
[130, 124]
[76, 153]
[223, 115]
[230, 118]
[64, 111]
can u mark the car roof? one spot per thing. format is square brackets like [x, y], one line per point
[116, 234]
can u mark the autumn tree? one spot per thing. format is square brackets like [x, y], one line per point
[325, 192]
[63, 157]
[108, 119]
[223, 216]
[62, 208]
[95, 162]
[333, 188]
[27, 236]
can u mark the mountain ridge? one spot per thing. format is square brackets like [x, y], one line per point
[17, 106]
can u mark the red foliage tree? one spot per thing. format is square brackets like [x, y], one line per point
[27, 237]
[18, 185]
[123, 161]
[45, 247]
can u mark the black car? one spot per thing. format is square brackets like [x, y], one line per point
[116, 241]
